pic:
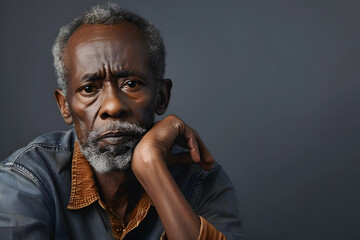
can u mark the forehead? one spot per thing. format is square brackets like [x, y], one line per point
[124, 32]
[118, 46]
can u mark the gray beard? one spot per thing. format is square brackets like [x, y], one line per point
[112, 157]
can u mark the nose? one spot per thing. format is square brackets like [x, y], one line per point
[113, 106]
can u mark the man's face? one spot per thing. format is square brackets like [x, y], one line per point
[109, 80]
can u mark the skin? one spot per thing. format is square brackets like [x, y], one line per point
[109, 78]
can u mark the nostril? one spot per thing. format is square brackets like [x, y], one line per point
[104, 115]
[113, 114]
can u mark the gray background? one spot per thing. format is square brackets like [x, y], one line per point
[271, 86]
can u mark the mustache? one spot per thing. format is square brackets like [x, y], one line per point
[125, 128]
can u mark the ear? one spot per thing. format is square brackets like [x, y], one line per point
[63, 106]
[163, 96]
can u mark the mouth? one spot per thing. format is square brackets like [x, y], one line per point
[117, 137]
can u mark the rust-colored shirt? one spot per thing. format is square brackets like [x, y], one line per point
[84, 193]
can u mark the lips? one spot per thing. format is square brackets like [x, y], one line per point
[117, 137]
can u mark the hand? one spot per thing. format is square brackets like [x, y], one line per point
[157, 142]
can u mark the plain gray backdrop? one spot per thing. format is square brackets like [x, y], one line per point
[272, 87]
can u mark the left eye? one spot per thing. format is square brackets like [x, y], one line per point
[132, 84]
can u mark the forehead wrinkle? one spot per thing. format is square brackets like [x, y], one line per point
[99, 51]
[115, 56]
[112, 54]
[93, 57]
[117, 67]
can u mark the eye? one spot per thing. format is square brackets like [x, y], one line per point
[132, 84]
[88, 90]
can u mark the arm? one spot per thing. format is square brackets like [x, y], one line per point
[149, 165]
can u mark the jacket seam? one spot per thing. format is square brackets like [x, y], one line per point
[24, 171]
[27, 174]
[195, 186]
[199, 177]
[36, 145]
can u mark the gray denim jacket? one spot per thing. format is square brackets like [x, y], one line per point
[35, 184]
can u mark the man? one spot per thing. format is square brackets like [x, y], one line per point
[117, 174]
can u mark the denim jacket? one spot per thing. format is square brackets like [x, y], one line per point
[35, 184]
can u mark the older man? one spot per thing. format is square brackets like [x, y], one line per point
[117, 174]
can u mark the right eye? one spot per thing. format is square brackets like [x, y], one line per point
[88, 90]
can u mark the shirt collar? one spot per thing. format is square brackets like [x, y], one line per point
[83, 188]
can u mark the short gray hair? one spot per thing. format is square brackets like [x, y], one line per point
[110, 14]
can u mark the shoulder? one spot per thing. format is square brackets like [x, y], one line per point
[51, 142]
[33, 184]
[41, 160]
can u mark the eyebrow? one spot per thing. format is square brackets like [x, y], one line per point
[122, 74]
[92, 77]
[129, 73]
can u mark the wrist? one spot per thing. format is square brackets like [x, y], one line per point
[147, 163]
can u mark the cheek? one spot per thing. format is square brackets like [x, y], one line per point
[144, 108]
[82, 116]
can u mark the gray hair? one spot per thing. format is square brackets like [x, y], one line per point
[110, 14]
[112, 157]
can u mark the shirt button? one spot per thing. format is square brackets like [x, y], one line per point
[118, 230]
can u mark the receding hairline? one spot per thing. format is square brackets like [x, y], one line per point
[85, 37]
[104, 28]
[110, 14]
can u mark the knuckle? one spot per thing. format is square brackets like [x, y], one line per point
[172, 117]
[176, 122]
[178, 125]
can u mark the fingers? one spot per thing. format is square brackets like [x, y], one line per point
[192, 144]
[197, 149]
[173, 130]
[206, 158]
[185, 158]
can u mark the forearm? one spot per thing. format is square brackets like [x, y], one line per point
[149, 164]
[178, 218]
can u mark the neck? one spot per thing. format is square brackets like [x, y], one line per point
[111, 184]
[119, 191]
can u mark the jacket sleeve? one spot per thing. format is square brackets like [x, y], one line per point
[24, 211]
[216, 202]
